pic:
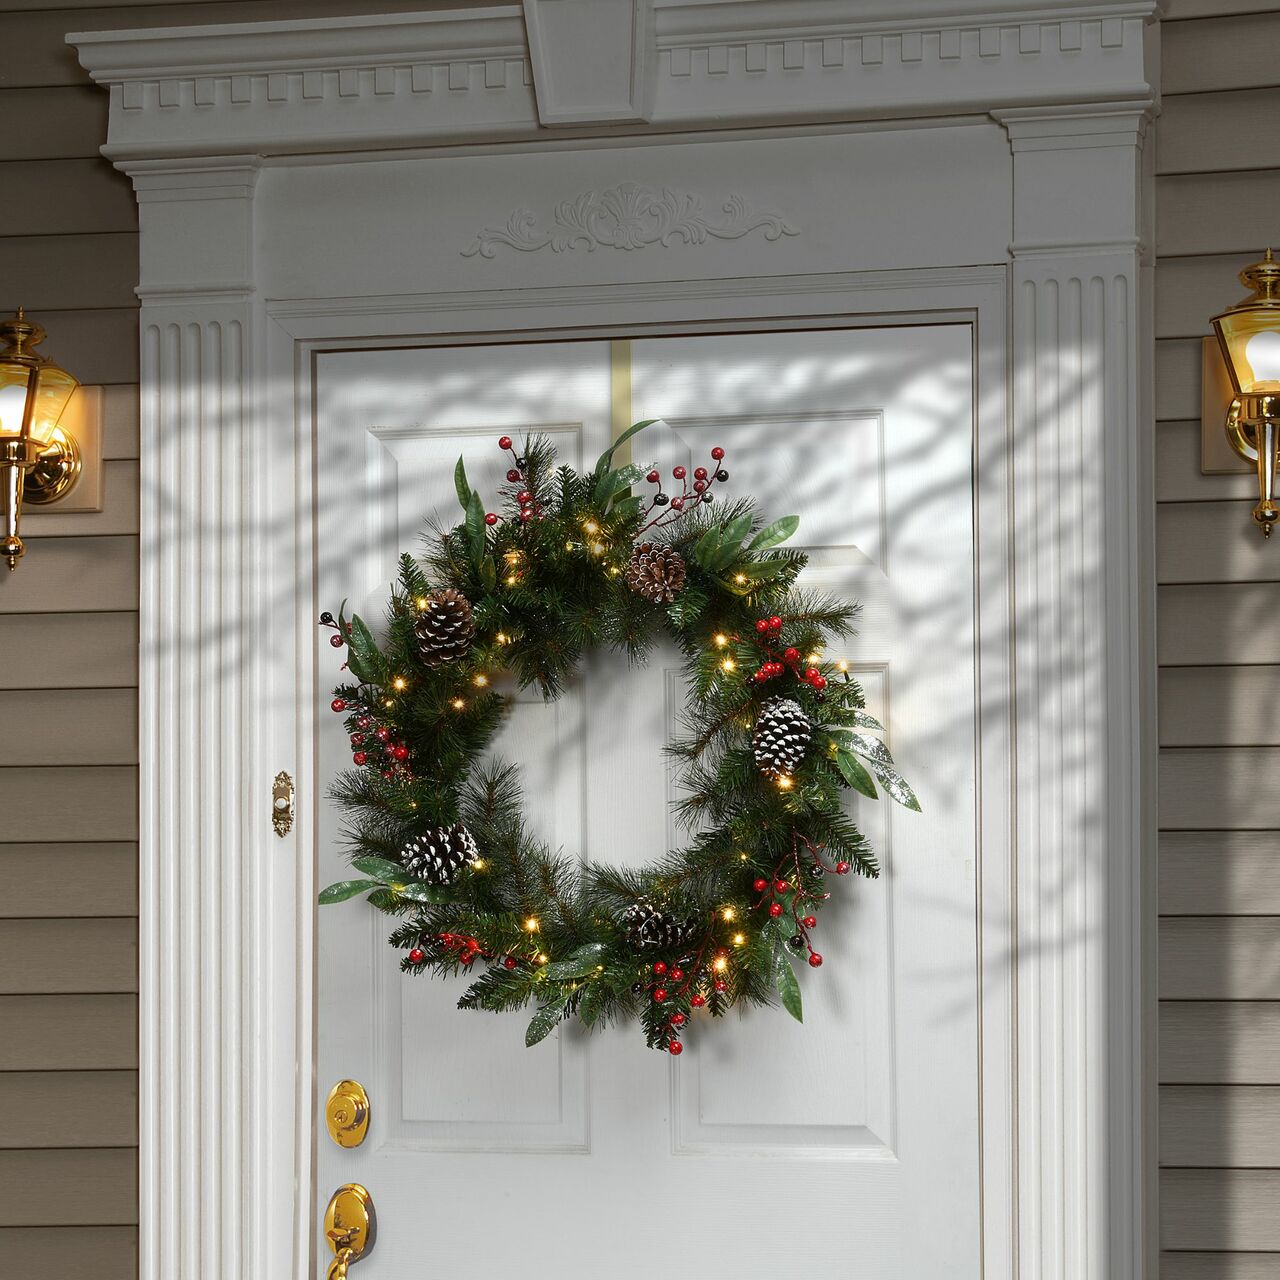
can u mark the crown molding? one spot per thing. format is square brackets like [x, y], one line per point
[509, 73]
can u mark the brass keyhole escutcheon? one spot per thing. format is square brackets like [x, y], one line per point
[349, 1226]
[346, 1113]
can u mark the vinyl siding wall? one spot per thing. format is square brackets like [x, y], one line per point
[1218, 206]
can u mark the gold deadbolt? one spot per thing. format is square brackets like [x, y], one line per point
[346, 1113]
[350, 1227]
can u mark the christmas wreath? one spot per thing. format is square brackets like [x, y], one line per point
[773, 735]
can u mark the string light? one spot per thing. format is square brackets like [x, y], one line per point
[399, 684]
[502, 638]
[728, 665]
[388, 703]
[513, 557]
[568, 546]
[597, 548]
[457, 704]
[728, 914]
[531, 924]
[739, 939]
[742, 857]
[786, 782]
[590, 526]
[842, 665]
[614, 571]
[720, 964]
[541, 958]
[512, 580]
[740, 578]
[421, 602]
[478, 865]
[720, 639]
[814, 658]
[480, 680]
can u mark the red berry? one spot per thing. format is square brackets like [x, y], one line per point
[791, 655]
[525, 516]
[659, 994]
[382, 733]
[660, 968]
[364, 722]
[675, 1048]
[815, 960]
[677, 504]
[399, 753]
[778, 668]
[809, 921]
[338, 705]
[819, 682]
[717, 453]
[811, 674]
[775, 909]
[513, 476]
[524, 497]
[386, 773]
[698, 1001]
[762, 625]
[357, 739]
[842, 868]
[677, 974]
[653, 477]
[490, 519]
[699, 473]
[677, 1019]
[417, 955]
[467, 957]
[699, 485]
[360, 758]
[721, 985]
[781, 886]
[337, 641]
[760, 675]
[509, 962]
[760, 885]
[775, 623]
[679, 472]
[504, 442]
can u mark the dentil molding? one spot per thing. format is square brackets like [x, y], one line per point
[511, 72]
[628, 216]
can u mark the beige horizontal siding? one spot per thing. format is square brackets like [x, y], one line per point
[92, 879]
[87, 1032]
[1233, 213]
[1217, 707]
[1220, 1209]
[63, 123]
[1220, 958]
[1190, 290]
[1211, 132]
[96, 574]
[1179, 477]
[70, 273]
[65, 197]
[1217, 622]
[60, 1253]
[1219, 873]
[1212, 542]
[99, 346]
[1215, 1126]
[53, 956]
[70, 803]
[71, 1109]
[1174, 10]
[1232, 52]
[72, 650]
[119, 514]
[1178, 378]
[96, 1187]
[70, 726]
[1220, 1042]
[1219, 789]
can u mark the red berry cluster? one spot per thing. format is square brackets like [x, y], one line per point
[462, 945]
[529, 508]
[672, 983]
[670, 508]
[778, 663]
[385, 752]
[337, 640]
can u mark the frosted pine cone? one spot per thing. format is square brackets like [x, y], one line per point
[647, 926]
[445, 627]
[782, 735]
[438, 855]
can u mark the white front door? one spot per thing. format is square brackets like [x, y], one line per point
[846, 1147]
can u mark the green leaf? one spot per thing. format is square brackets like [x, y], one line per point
[582, 962]
[605, 461]
[854, 774]
[475, 528]
[544, 1022]
[381, 869]
[772, 534]
[897, 787]
[363, 658]
[784, 980]
[612, 483]
[759, 570]
[628, 508]
[737, 529]
[489, 573]
[462, 485]
[865, 721]
[705, 548]
[415, 891]
[345, 889]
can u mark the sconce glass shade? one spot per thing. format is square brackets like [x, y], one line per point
[33, 390]
[1249, 335]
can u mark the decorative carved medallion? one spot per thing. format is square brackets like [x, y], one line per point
[629, 216]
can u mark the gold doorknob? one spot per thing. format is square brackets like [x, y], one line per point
[349, 1226]
[346, 1113]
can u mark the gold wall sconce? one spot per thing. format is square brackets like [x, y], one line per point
[39, 460]
[1249, 342]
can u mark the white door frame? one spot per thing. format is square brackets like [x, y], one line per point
[213, 124]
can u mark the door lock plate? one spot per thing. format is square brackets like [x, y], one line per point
[346, 1113]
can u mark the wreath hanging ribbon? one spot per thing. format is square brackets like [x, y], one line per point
[773, 736]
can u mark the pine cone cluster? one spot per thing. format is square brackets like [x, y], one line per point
[656, 573]
[439, 854]
[445, 627]
[782, 736]
[647, 926]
